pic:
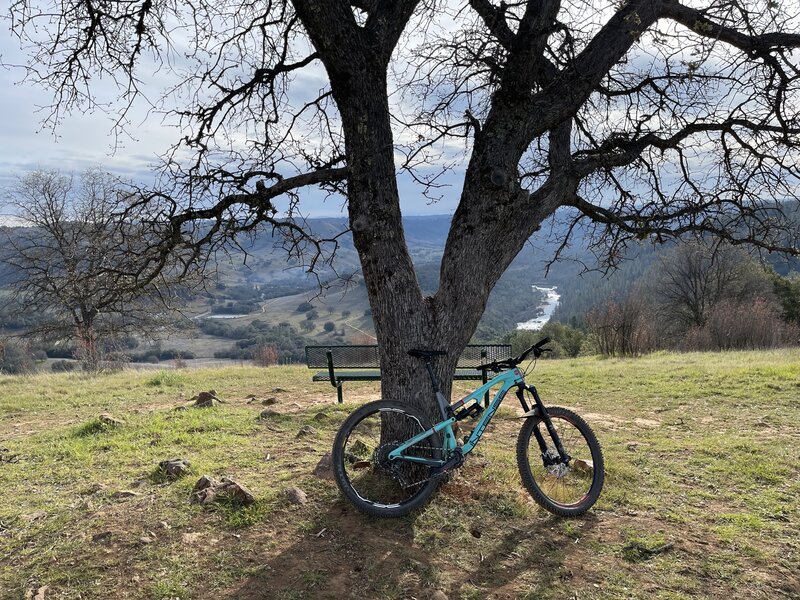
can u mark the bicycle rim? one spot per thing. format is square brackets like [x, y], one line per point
[565, 485]
[368, 472]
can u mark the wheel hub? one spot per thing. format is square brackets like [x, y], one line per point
[380, 457]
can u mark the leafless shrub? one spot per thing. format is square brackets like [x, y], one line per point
[266, 355]
[733, 325]
[622, 328]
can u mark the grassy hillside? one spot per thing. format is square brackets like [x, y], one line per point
[701, 449]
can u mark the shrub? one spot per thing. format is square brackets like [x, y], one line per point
[266, 355]
[304, 307]
[63, 366]
[329, 326]
[735, 325]
[15, 357]
[621, 328]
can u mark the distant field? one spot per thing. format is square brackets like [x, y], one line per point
[702, 452]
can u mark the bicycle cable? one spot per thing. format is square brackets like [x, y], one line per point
[531, 367]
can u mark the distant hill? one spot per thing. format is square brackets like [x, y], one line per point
[269, 289]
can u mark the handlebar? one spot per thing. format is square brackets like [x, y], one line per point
[510, 363]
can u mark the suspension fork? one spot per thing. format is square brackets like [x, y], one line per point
[548, 423]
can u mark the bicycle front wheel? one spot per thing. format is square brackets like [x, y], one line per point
[365, 475]
[565, 489]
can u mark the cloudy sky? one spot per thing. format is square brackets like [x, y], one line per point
[87, 140]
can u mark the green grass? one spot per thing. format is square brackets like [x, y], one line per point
[701, 453]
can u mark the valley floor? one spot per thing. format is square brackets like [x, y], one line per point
[702, 452]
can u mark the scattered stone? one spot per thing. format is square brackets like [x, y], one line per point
[272, 400]
[438, 595]
[278, 390]
[146, 539]
[320, 416]
[208, 490]
[475, 532]
[107, 419]
[306, 430]
[122, 494]
[206, 399]
[632, 446]
[359, 448]
[296, 496]
[268, 414]
[324, 468]
[139, 483]
[174, 468]
[36, 593]
[164, 525]
[587, 466]
[102, 537]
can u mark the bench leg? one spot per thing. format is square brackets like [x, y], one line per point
[339, 393]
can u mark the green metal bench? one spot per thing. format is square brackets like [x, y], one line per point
[341, 363]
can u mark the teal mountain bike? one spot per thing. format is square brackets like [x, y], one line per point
[388, 459]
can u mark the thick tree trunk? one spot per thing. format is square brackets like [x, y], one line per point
[404, 319]
[486, 232]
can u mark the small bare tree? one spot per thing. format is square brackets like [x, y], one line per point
[89, 275]
[696, 276]
[622, 328]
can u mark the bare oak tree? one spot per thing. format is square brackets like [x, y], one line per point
[83, 271]
[693, 278]
[648, 118]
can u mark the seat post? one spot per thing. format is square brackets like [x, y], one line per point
[434, 382]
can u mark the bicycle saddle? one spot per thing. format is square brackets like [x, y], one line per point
[426, 353]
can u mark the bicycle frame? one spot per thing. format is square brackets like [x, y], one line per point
[509, 379]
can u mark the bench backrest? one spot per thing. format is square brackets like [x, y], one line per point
[366, 356]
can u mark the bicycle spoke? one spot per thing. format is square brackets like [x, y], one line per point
[565, 484]
[371, 474]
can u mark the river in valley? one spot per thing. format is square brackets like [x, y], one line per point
[547, 307]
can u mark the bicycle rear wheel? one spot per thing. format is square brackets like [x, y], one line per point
[361, 467]
[565, 489]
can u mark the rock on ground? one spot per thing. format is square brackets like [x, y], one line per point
[107, 419]
[306, 430]
[208, 490]
[295, 495]
[174, 468]
[206, 399]
[324, 468]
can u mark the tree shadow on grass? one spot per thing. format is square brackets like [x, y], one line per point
[530, 559]
[344, 554]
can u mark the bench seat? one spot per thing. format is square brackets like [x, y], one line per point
[359, 362]
[375, 375]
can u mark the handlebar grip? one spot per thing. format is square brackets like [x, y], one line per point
[541, 343]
